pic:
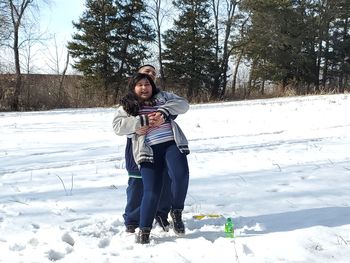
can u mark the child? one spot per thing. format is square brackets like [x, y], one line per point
[145, 108]
[134, 190]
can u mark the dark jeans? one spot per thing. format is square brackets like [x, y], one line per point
[165, 155]
[134, 193]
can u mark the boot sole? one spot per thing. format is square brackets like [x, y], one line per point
[163, 226]
[181, 233]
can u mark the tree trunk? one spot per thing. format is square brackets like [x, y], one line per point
[214, 91]
[251, 78]
[226, 52]
[16, 18]
[342, 76]
[215, 85]
[189, 93]
[18, 85]
[263, 87]
[235, 73]
[284, 85]
[60, 88]
[318, 65]
[325, 69]
[160, 54]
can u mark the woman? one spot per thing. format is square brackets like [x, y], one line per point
[144, 107]
[134, 191]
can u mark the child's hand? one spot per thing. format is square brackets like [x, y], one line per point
[142, 131]
[155, 119]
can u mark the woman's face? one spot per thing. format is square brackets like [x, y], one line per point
[143, 89]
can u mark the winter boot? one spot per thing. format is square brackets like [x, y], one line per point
[163, 222]
[179, 227]
[143, 236]
[130, 228]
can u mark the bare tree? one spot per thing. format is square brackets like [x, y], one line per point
[5, 31]
[32, 39]
[17, 10]
[224, 13]
[60, 88]
[159, 11]
[239, 50]
[4, 37]
[54, 55]
[53, 63]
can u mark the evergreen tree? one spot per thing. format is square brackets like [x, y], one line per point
[304, 42]
[133, 34]
[274, 40]
[92, 46]
[189, 53]
[111, 42]
[338, 66]
[288, 40]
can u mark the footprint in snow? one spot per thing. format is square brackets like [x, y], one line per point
[70, 220]
[17, 247]
[104, 242]
[55, 255]
[246, 250]
[63, 250]
[274, 190]
[68, 239]
[35, 226]
[33, 242]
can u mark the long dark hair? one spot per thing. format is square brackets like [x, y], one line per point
[130, 102]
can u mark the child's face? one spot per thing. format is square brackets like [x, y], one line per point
[143, 89]
[149, 71]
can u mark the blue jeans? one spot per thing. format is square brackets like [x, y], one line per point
[165, 155]
[134, 193]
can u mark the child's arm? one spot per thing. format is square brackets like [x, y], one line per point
[174, 105]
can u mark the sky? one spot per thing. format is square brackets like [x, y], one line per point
[55, 29]
[58, 16]
[56, 19]
[278, 167]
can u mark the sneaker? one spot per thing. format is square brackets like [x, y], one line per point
[163, 222]
[178, 225]
[130, 228]
[143, 236]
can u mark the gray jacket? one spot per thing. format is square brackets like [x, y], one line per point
[124, 124]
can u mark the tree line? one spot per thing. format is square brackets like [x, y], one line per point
[199, 46]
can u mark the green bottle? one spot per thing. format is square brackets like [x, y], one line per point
[229, 231]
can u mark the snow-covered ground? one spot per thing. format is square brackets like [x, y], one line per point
[279, 167]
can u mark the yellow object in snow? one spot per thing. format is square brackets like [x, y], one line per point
[201, 216]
